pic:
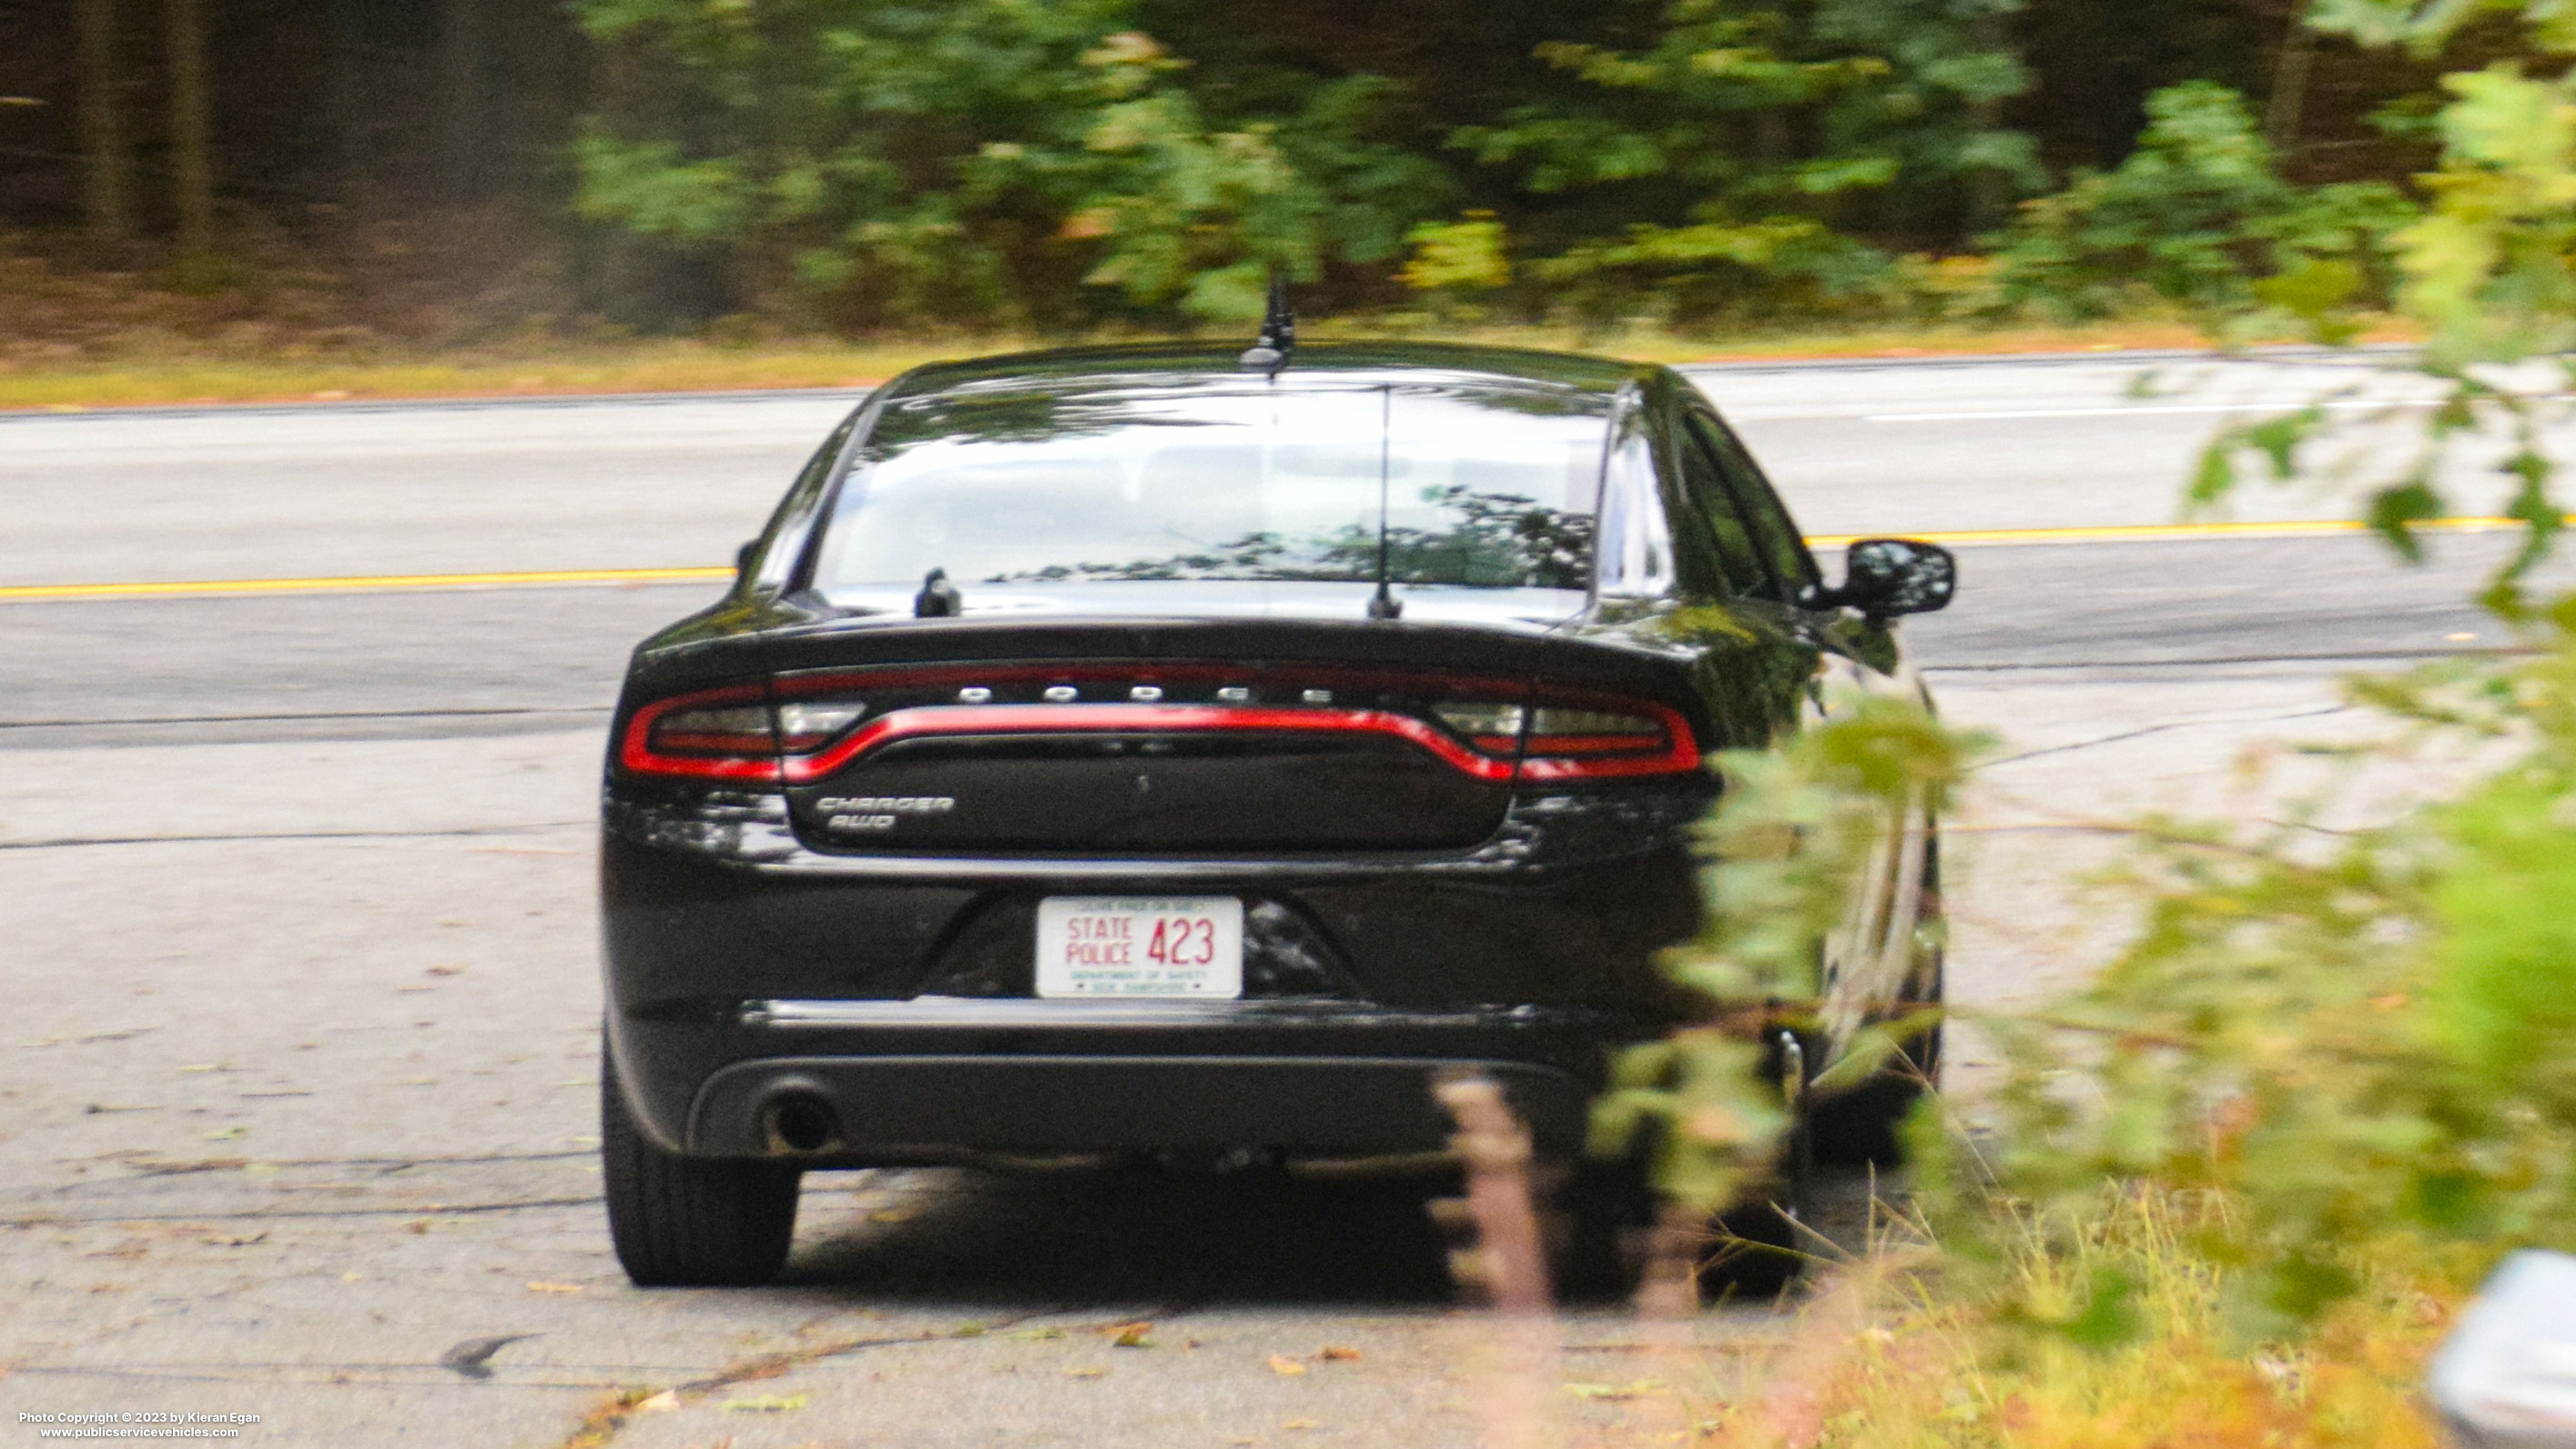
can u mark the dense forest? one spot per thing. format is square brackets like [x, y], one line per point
[1063, 165]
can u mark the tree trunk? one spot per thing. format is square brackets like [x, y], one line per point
[107, 166]
[1989, 190]
[460, 65]
[192, 166]
[345, 70]
[2281, 114]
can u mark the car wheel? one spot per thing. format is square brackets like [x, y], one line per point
[1756, 1256]
[687, 1222]
[1611, 1219]
[1604, 1214]
[1864, 1126]
[1747, 1253]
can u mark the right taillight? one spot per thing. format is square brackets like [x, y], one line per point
[1593, 740]
[1494, 728]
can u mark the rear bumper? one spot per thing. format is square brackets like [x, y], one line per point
[903, 1106]
[903, 1080]
[742, 967]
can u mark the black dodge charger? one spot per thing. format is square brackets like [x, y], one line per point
[1166, 749]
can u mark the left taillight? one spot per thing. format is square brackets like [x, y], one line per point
[804, 724]
[717, 734]
[731, 734]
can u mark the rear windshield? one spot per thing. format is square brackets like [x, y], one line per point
[1480, 487]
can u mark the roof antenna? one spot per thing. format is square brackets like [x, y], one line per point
[1269, 352]
[1386, 605]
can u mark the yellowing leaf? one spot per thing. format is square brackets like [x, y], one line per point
[1281, 1363]
[554, 1287]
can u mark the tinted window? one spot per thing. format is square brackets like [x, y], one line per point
[1705, 482]
[1784, 553]
[778, 548]
[1229, 479]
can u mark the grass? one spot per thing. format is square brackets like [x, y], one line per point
[2026, 1353]
[472, 304]
[174, 372]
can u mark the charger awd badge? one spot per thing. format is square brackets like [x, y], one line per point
[863, 814]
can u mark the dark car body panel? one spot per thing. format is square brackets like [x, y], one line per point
[1404, 916]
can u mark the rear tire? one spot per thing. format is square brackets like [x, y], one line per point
[689, 1222]
[1614, 1219]
[1759, 1252]
[1749, 1253]
[1605, 1209]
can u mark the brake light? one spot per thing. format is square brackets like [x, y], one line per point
[716, 734]
[1573, 741]
[1559, 731]
[739, 734]
[734, 730]
[1606, 739]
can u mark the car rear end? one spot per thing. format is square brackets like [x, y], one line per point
[1168, 836]
[1185, 885]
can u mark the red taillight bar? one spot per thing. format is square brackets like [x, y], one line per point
[1041, 719]
[635, 749]
[1584, 757]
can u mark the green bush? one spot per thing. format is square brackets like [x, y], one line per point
[2363, 1044]
[2198, 217]
[1063, 164]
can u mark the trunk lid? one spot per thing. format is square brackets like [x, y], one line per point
[1156, 736]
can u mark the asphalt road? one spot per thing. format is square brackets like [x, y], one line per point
[300, 1058]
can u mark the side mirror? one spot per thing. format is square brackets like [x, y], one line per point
[1884, 577]
[743, 556]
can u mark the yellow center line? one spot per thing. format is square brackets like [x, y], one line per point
[361, 583]
[556, 578]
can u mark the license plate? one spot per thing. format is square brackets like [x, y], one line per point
[1180, 946]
